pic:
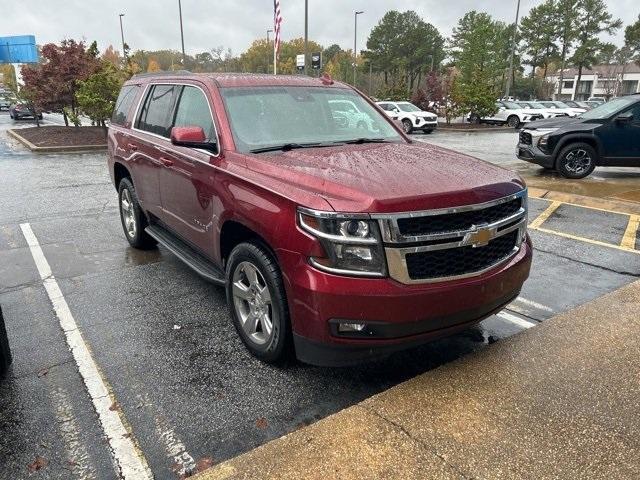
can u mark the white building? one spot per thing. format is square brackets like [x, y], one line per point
[601, 81]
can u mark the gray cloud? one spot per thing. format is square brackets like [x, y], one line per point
[152, 25]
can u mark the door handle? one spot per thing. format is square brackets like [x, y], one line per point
[132, 146]
[166, 162]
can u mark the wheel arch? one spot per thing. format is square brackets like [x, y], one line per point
[235, 232]
[120, 171]
[591, 140]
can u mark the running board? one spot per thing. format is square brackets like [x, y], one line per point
[198, 262]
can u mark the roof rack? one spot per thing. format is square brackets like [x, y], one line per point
[160, 74]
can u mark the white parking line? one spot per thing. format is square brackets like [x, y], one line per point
[537, 306]
[521, 322]
[128, 459]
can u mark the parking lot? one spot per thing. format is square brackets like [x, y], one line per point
[161, 337]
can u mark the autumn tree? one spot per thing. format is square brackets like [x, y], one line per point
[52, 84]
[112, 56]
[153, 65]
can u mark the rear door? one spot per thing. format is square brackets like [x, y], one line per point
[152, 128]
[619, 141]
[187, 179]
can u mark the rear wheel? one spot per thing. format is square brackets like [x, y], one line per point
[513, 121]
[407, 126]
[576, 160]
[133, 220]
[258, 303]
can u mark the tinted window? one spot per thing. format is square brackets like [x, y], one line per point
[155, 114]
[123, 104]
[193, 110]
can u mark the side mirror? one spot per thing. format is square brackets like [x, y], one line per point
[624, 118]
[396, 110]
[191, 136]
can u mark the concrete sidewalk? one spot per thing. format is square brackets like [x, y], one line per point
[560, 401]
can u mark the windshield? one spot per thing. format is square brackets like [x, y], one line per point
[561, 105]
[408, 107]
[536, 105]
[262, 117]
[511, 105]
[608, 109]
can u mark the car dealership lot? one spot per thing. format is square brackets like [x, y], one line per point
[162, 339]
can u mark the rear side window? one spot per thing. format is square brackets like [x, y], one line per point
[123, 104]
[156, 113]
[193, 110]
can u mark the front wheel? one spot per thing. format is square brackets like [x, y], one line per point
[513, 121]
[258, 303]
[407, 126]
[577, 160]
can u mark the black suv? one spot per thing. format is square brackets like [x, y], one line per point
[607, 136]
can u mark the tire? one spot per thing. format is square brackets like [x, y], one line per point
[5, 353]
[513, 121]
[576, 160]
[407, 126]
[250, 270]
[475, 119]
[132, 217]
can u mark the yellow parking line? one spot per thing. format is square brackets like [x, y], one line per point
[629, 239]
[586, 240]
[543, 217]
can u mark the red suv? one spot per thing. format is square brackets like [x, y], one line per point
[338, 240]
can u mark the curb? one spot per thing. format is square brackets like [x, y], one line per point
[620, 206]
[57, 149]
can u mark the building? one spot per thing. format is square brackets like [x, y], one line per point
[601, 81]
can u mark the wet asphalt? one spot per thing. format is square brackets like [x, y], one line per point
[163, 339]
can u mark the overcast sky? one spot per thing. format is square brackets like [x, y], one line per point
[153, 25]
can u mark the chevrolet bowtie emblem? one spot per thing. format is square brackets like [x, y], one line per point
[480, 237]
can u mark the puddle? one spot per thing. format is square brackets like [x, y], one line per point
[134, 258]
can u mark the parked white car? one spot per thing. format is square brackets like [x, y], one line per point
[350, 114]
[547, 112]
[412, 117]
[563, 107]
[509, 113]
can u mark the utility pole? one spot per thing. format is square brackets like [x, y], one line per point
[184, 57]
[355, 45]
[306, 34]
[513, 52]
[124, 51]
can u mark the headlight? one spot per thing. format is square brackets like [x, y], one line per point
[352, 243]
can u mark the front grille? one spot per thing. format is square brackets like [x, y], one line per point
[537, 116]
[525, 138]
[460, 261]
[451, 222]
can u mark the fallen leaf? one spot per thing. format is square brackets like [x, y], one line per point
[42, 372]
[203, 464]
[71, 463]
[37, 464]
[261, 423]
[114, 406]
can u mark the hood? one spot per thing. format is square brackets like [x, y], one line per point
[556, 122]
[383, 178]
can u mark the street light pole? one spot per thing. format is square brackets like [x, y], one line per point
[355, 45]
[513, 52]
[306, 33]
[124, 51]
[184, 57]
[268, 32]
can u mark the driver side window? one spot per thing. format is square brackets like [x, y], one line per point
[193, 111]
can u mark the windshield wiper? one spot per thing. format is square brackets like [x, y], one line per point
[365, 140]
[285, 147]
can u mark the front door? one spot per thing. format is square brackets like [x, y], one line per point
[187, 179]
[619, 140]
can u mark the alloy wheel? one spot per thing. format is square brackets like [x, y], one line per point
[252, 303]
[128, 213]
[578, 161]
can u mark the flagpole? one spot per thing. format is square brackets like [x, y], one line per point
[275, 70]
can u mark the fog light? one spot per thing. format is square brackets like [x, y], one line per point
[350, 327]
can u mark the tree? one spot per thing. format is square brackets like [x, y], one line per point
[52, 84]
[112, 56]
[98, 93]
[593, 19]
[403, 47]
[153, 65]
[330, 52]
[539, 34]
[8, 73]
[566, 24]
[632, 39]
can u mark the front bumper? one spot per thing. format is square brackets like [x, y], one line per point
[398, 316]
[532, 154]
[423, 124]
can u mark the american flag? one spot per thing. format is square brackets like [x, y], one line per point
[277, 20]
